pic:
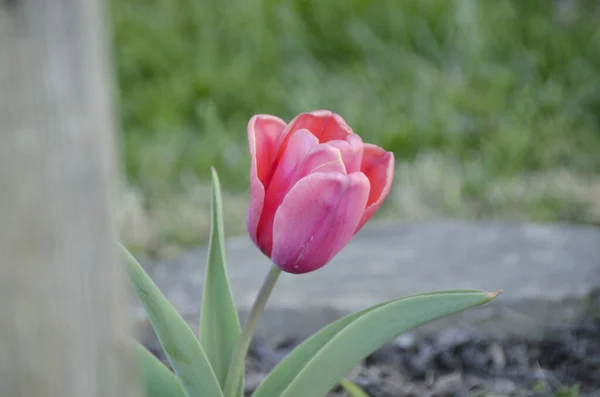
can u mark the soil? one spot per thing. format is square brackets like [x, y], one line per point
[460, 363]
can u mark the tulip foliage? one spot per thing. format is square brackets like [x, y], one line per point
[212, 363]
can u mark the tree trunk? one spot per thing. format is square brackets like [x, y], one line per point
[64, 327]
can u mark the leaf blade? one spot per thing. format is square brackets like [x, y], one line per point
[353, 389]
[294, 367]
[370, 331]
[179, 342]
[158, 380]
[286, 370]
[219, 322]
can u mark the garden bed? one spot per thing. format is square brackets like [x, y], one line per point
[457, 363]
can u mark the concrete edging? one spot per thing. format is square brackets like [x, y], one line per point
[550, 275]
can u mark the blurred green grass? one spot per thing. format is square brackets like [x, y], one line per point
[498, 93]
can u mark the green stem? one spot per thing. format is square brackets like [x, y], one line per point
[239, 354]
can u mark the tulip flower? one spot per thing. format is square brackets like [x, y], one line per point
[313, 185]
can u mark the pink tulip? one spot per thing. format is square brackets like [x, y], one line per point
[313, 185]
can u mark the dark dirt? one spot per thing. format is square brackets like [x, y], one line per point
[459, 363]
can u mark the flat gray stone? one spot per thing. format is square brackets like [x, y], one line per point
[548, 274]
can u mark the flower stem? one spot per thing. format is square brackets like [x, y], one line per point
[236, 366]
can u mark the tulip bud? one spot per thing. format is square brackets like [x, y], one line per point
[313, 185]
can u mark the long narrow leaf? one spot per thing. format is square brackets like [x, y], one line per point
[370, 331]
[353, 389]
[219, 322]
[179, 342]
[158, 380]
[289, 368]
[284, 372]
[282, 375]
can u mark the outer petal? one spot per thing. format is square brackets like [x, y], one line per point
[324, 124]
[304, 156]
[378, 166]
[317, 219]
[263, 135]
[352, 151]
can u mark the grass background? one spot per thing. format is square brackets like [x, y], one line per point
[491, 107]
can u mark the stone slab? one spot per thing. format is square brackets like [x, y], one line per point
[549, 275]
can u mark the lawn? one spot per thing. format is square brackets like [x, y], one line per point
[491, 107]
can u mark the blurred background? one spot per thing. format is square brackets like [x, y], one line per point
[491, 107]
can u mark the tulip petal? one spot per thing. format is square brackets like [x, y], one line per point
[264, 132]
[300, 144]
[322, 158]
[323, 124]
[352, 151]
[316, 219]
[263, 135]
[378, 166]
[304, 156]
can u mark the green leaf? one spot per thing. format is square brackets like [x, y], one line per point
[353, 389]
[177, 339]
[219, 322]
[315, 366]
[568, 391]
[284, 372]
[370, 331]
[159, 381]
